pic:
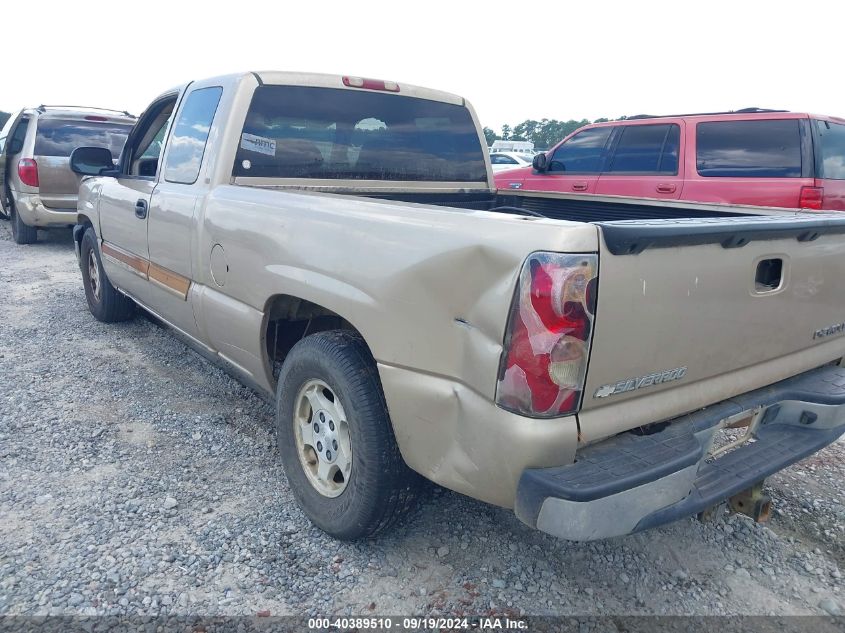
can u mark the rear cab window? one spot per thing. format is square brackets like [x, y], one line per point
[330, 133]
[59, 137]
[830, 145]
[768, 148]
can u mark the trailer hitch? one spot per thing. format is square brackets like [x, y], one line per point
[752, 503]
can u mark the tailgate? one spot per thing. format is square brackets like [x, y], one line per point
[57, 184]
[693, 312]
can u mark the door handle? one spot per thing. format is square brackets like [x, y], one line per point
[666, 188]
[579, 186]
[141, 209]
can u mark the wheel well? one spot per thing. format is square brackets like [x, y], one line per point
[289, 320]
[83, 221]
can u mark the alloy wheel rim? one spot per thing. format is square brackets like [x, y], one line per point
[94, 275]
[323, 442]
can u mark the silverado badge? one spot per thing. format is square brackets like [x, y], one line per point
[632, 384]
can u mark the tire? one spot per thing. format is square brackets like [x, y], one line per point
[22, 233]
[104, 301]
[4, 203]
[379, 487]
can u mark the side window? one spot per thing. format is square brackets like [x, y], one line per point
[187, 143]
[647, 149]
[156, 145]
[14, 143]
[500, 159]
[832, 141]
[584, 153]
[749, 149]
[140, 157]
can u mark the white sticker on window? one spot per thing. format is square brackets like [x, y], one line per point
[258, 144]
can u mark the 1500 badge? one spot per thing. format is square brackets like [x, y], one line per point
[632, 384]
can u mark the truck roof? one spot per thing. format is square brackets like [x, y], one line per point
[287, 78]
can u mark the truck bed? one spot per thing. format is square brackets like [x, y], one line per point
[571, 207]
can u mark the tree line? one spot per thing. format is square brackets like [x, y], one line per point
[543, 133]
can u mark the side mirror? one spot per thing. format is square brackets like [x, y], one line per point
[91, 161]
[540, 162]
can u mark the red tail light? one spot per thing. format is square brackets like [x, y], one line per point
[547, 342]
[811, 198]
[28, 172]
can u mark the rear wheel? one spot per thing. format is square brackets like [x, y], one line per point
[22, 233]
[335, 438]
[104, 301]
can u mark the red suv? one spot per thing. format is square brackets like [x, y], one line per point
[753, 156]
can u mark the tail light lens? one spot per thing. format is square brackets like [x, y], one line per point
[547, 342]
[28, 172]
[811, 198]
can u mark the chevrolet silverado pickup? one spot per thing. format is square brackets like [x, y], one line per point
[600, 365]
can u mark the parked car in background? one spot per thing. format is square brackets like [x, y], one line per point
[753, 156]
[501, 161]
[525, 147]
[338, 242]
[37, 187]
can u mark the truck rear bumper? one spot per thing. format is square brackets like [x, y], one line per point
[633, 482]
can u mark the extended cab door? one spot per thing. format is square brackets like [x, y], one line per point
[575, 164]
[174, 208]
[644, 161]
[125, 202]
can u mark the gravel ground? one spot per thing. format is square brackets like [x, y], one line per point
[135, 478]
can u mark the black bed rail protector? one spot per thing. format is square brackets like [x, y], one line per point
[631, 237]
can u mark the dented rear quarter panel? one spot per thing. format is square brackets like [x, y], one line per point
[428, 288]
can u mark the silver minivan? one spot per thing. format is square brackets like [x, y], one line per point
[37, 188]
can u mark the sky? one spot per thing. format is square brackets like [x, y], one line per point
[513, 60]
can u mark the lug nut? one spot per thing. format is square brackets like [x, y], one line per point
[334, 444]
[316, 427]
[322, 417]
[328, 455]
[331, 424]
[320, 447]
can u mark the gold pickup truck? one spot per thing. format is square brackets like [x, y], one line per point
[600, 365]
